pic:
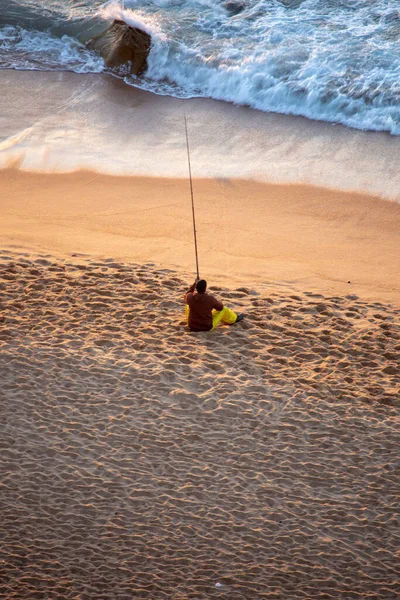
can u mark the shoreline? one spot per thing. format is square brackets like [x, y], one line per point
[97, 122]
[249, 233]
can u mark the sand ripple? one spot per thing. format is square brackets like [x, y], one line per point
[140, 460]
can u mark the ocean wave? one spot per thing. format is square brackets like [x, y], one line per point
[330, 61]
[40, 50]
[135, 18]
[324, 64]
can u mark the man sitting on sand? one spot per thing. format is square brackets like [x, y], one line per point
[204, 312]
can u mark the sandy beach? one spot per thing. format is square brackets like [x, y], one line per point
[140, 460]
[249, 233]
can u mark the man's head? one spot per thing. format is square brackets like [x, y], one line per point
[201, 286]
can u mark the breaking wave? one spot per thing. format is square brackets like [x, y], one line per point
[330, 61]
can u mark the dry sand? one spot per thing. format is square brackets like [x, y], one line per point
[140, 460]
[249, 233]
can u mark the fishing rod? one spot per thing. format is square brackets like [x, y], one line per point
[191, 194]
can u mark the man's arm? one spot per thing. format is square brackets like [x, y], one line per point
[190, 291]
[216, 304]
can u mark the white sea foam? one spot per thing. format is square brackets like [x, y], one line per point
[31, 50]
[114, 10]
[331, 65]
[330, 61]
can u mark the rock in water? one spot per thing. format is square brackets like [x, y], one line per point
[234, 7]
[124, 48]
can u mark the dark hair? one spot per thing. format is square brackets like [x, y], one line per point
[201, 286]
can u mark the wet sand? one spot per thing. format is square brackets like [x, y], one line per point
[140, 460]
[98, 123]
